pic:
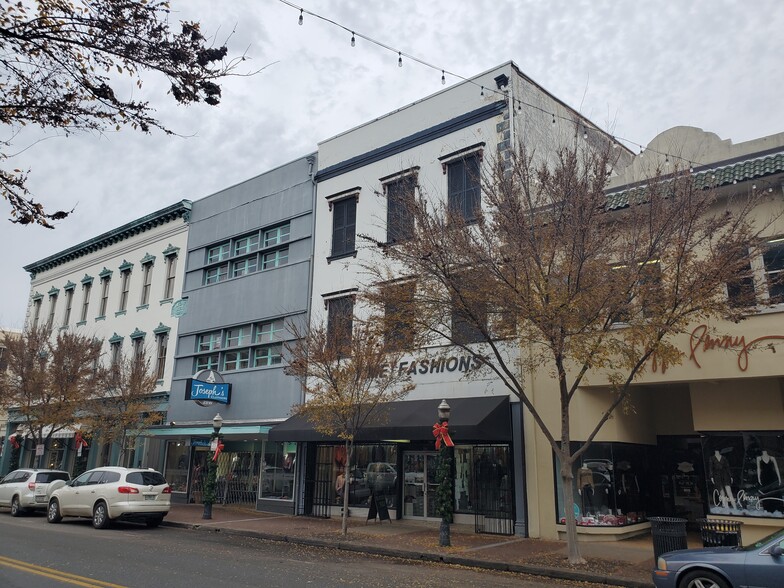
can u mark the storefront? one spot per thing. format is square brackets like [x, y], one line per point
[395, 458]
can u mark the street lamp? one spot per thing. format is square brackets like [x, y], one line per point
[212, 466]
[445, 492]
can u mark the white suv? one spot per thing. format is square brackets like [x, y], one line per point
[112, 493]
[27, 489]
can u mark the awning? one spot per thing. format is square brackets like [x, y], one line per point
[205, 431]
[472, 419]
[62, 433]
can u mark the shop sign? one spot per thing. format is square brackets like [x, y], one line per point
[207, 388]
[200, 442]
[701, 341]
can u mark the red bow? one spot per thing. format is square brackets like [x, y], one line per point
[14, 442]
[79, 441]
[217, 451]
[441, 433]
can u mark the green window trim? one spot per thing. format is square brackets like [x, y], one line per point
[115, 339]
[87, 280]
[137, 334]
[147, 259]
[105, 273]
[125, 266]
[170, 250]
[69, 286]
[53, 291]
[37, 296]
[161, 328]
[120, 313]
[142, 307]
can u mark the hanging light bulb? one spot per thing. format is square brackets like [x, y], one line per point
[482, 93]
[443, 78]
[691, 167]
[353, 40]
[301, 17]
[642, 154]
[553, 118]
[519, 106]
[667, 160]
[399, 59]
[585, 132]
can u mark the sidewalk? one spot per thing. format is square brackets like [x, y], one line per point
[619, 563]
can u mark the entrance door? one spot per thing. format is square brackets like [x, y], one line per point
[419, 484]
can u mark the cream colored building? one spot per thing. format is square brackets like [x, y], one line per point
[724, 399]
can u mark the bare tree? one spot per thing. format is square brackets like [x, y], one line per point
[555, 276]
[123, 405]
[345, 372]
[48, 381]
[61, 66]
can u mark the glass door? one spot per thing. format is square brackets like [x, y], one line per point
[420, 484]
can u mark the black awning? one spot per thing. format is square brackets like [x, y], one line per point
[472, 419]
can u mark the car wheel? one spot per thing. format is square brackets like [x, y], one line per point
[703, 579]
[100, 516]
[152, 523]
[53, 512]
[16, 508]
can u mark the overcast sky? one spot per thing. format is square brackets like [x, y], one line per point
[637, 68]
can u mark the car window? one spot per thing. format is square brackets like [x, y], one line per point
[145, 478]
[46, 477]
[762, 542]
[22, 476]
[9, 479]
[94, 478]
[82, 480]
[110, 477]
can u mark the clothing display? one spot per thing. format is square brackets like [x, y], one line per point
[719, 471]
[768, 473]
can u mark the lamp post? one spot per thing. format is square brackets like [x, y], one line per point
[212, 466]
[445, 493]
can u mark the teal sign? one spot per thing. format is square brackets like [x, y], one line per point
[207, 392]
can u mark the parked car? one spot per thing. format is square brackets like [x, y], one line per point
[760, 565]
[27, 489]
[112, 493]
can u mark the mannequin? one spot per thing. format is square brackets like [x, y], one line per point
[768, 470]
[585, 487]
[721, 478]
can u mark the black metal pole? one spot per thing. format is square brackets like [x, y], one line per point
[209, 485]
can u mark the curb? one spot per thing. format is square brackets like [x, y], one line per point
[456, 560]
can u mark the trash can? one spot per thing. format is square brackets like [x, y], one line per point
[669, 534]
[720, 533]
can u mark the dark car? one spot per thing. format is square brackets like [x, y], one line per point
[760, 565]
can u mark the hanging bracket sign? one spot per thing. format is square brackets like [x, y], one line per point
[207, 387]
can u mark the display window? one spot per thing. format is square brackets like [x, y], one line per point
[743, 474]
[277, 479]
[176, 470]
[373, 471]
[609, 485]
[483, 479]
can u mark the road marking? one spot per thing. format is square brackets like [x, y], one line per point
[56, 574]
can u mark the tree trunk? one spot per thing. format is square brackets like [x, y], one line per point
[567, 477]
[346, 487]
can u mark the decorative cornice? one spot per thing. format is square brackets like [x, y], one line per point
[137, 334]
[105, 273]
[53, 291]
[425, 136]
[180, 209]
[161, 328]
[147, 259]
[115, 339]
[126, 266]
[87, 280]
[170, 250]
[37, 296]
[69, 285]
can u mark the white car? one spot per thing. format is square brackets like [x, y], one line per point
[27, 489]
[112, 493]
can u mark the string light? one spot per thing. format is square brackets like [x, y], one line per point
[616, 140]
[482, 93]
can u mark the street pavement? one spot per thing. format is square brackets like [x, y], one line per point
[620, 563]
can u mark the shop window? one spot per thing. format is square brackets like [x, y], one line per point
[55, 455]
[609, 485]
[483, 480]
[373, 471]
[340, 324]
[176, 470]
[277, 479]
[344, 223]
[744, 474]
[463, 187]
[398, 302]
[773, 258]
[740, 291]
[400, 202]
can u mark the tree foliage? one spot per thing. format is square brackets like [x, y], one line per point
[345, 383]
[122, 406]
[62, 64]
[49, 380]
[553, 278]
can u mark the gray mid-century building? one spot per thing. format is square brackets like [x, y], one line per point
[247, 280]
